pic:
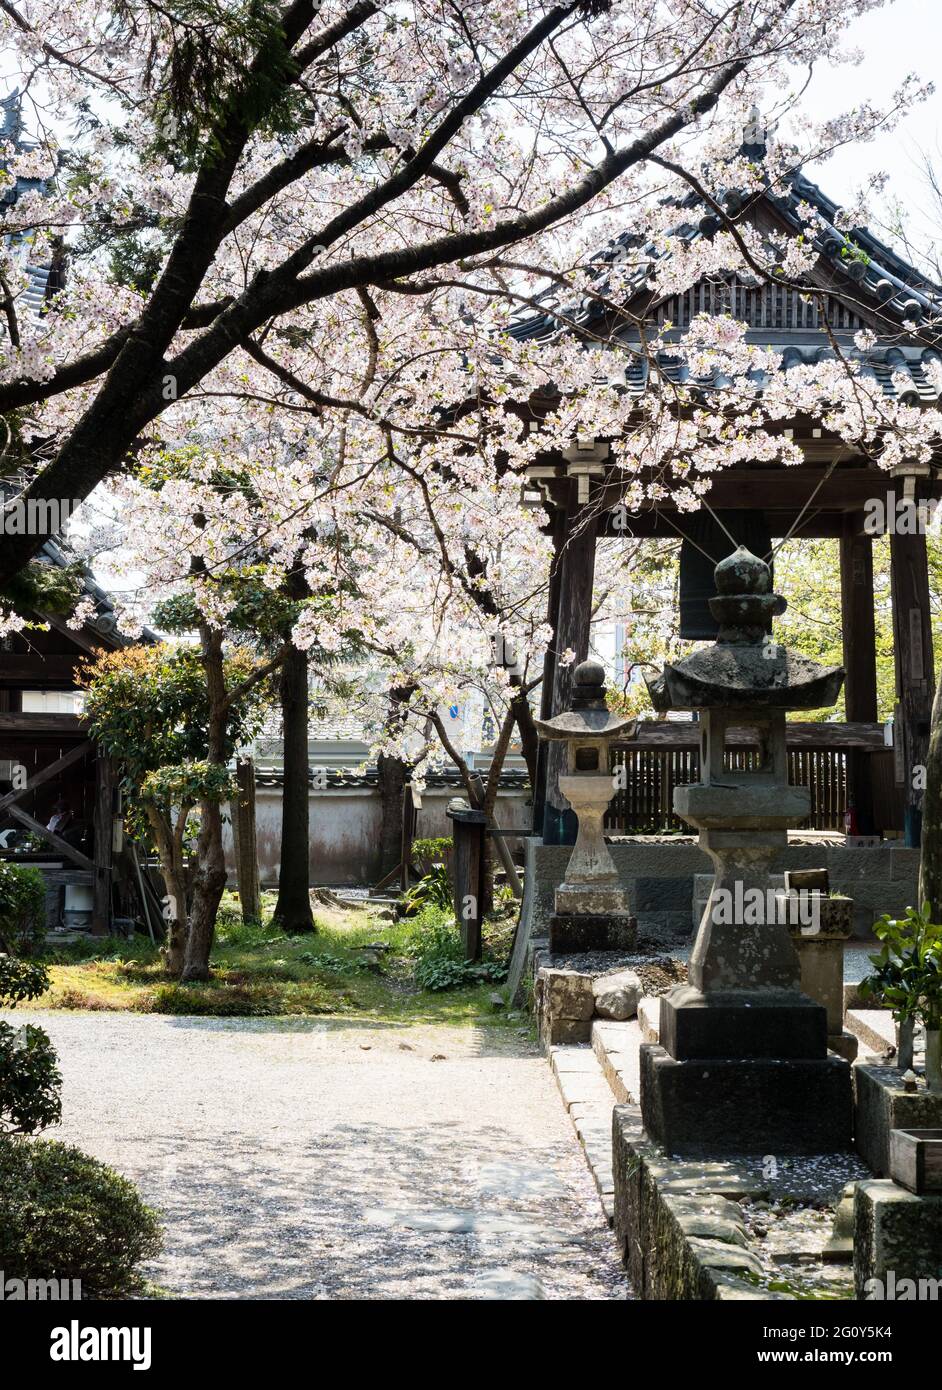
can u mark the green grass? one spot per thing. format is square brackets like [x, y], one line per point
[259, 971]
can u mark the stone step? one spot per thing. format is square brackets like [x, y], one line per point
[875, 1028]
[616, 1047]
[649, 1014]
[589, 1102]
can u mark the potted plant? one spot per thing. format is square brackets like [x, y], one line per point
[908, 976]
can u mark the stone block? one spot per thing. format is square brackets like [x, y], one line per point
[562, 1031]
[897, 1237]
[844, 1044]
[678, 1236]
[587, 933]
[780, 1025]
[617, 995]
[565, 993]
[662, 894]
[859, 865]
[881, 1104]
[753, 1106]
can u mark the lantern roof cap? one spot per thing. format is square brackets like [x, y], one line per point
[589, 716]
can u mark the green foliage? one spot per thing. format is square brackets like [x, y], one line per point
[29, 1075]
[434, 890]
[64, 1214]
[188, 783]
[44, 588]
[908, 974]
[29, 1080]
[148, 707]
[435, 945]
[22, 908]
[21, 980]
[433, 850]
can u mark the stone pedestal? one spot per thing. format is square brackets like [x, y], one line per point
[821, 956]
[751, 1106]
[603, 931]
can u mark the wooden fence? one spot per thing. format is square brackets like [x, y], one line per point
[644, 805]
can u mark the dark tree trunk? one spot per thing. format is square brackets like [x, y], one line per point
[210, 881]
[293, 909]
[393, 775]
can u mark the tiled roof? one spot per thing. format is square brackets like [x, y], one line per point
[510, 779]
[866, 271]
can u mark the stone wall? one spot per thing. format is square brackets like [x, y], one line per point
[658, 873]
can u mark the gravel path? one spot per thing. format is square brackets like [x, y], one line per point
[298, 1159]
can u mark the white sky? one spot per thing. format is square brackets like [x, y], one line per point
[902, 37]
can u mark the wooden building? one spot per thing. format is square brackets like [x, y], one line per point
[52, 772]
[861, 284]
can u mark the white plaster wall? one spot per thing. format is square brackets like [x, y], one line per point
[345, 831]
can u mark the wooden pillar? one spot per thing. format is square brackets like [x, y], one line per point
[245, 841]
[549, 666]
[577, 572]
[103, 830]
[915, 677]
[860, 659]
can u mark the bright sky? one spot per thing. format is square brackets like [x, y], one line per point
[902, 37]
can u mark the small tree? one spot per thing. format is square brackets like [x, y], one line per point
[149, 709]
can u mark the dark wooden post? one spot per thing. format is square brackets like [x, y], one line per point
[409, 819]
[577, 572]
[549, 666]
[103, 831]
[468, 831]
[860, 658]
[245, 841]
[915, 678]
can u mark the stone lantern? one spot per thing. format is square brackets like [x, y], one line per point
[743, 1061]
[592, 912]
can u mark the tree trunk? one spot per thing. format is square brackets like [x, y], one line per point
[930, 862]
[293, 909]
[529, 739]
[175, 905]
[393, 775]
[210, 879]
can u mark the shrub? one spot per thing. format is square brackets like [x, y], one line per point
[22, 908]
[29, 1076]
[433, 890]
[435, 943]
[65, 1215]
[29, 1080]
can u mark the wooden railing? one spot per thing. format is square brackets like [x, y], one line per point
[664, 755]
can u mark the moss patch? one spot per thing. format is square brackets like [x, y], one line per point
[258, 970]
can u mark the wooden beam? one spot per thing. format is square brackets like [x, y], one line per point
[20, 723]
[90, 645]
[577, 572]
[39, 779]
[61, 846]
[915, 676]
[685, 733]
[846, 489]
[37, 669]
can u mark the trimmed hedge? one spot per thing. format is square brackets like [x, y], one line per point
[64, 1215]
